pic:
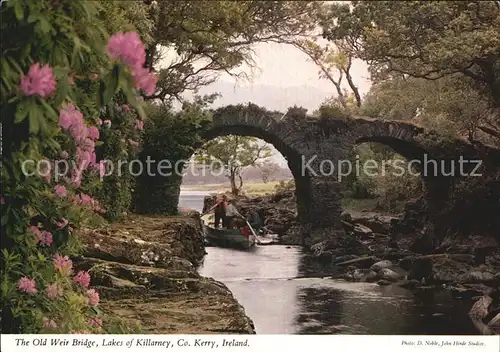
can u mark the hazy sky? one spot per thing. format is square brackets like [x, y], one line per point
[284, 66]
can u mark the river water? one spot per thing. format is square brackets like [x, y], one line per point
[266, 281]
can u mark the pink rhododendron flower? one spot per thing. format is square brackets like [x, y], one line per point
[126, 107]
[62, 223]
[102, 169]
[82, 279]
[78, 130]
[87, 144]
[144, 80]
[133, 143]
[107, 123]
[53, 291]
[41, 237]
[128, 48]
[93, 132]
[92, 297]
[27, 285]
[63, 264]
[95, 322]
[35, 230]
[39, 81]
[46, 240]
[60, 191]
[49, 323]
[68, 116]
[139, 125]
[76, 180]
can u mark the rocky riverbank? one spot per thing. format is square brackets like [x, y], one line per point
[145, 271]
[389, 251]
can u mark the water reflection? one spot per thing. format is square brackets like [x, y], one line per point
[264, 282]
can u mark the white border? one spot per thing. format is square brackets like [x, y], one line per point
[260, 343]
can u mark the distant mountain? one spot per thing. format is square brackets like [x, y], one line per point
[270, 97]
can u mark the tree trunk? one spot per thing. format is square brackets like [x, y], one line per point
[232, 179]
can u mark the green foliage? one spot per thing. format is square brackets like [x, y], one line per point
[456, 42]
[233, 153]
[70, 38]
[207, 38]
[382, 174]
[170, 139]
[119, 148]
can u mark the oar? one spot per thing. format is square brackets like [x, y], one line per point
[253, 232]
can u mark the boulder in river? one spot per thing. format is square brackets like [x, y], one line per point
[381, 265]
[389, 275]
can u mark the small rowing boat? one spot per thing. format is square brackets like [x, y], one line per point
[241, 238]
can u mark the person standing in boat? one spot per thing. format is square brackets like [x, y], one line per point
[219, 208]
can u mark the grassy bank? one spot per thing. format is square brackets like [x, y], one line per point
[352, 205]
[249, 188]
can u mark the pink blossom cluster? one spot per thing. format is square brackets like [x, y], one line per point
[40, 81]
[62, 223]
[133, 143]
[27, 285]
[95, 322]
[89, 202]
[60, 191]
[92, 297]
[44, 238]
[139, 125]
[63, 264]
[82, 278]
[129, 49]
[49, 323]
[53, 291]
[72, 121]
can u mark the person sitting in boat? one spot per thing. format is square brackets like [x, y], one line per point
[232, 213]
[254, 219]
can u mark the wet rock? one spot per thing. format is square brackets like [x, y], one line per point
[410, 284]
[362, 231]
[364, 275]
[383, 283]
[144, 269]
[494, 324]
[475, 276]
[388, 275]
[344, 258]
[381, 265]
[480, 309]
[363, 262]
[467, 291]
[325, 257]
[376, 223]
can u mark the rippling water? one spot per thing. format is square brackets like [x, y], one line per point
[265, 281]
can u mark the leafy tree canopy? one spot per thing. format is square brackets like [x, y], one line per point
[194, 41]
[232, 154]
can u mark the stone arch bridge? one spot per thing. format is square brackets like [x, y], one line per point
[315, 148]
[312, 146]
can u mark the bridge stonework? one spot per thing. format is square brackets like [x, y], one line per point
[311, 146]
